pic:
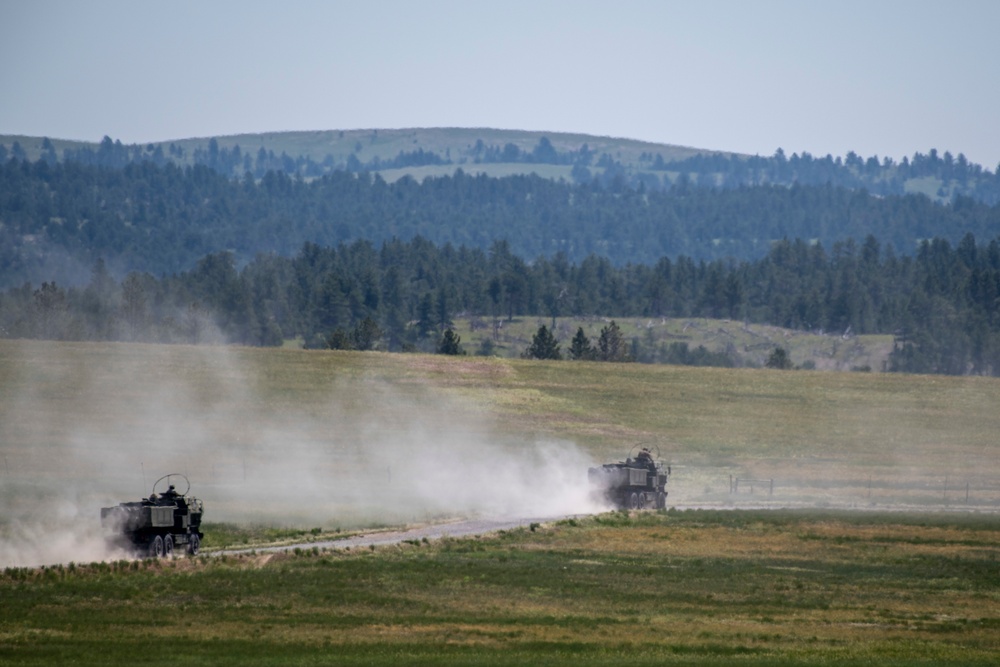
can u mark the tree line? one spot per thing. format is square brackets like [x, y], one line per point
[57, 219]
[942, 304]
[952, 175]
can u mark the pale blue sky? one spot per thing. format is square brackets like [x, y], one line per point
[885, 78]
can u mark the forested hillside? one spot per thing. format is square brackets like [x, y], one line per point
[942, 304]
[58, 219]
[422, 152]
[123, 243]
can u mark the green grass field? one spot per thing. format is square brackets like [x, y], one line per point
[288, 443]
[692, 587]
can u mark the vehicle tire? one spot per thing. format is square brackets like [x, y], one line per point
[661, 501]
[168, 547]
[642, 501]
[633, 501]
[156, 547]
[194, 546]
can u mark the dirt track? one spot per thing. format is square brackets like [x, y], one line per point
[480, 526]
[457, 528]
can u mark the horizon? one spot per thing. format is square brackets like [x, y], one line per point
[887, 80]
[835, 156]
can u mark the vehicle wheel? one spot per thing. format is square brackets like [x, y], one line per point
[661, 500]
[156, 547]
[642, 501]
[194, 546]
[168, 547]
[633, 501]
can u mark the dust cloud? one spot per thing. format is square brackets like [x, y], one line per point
[85, 426]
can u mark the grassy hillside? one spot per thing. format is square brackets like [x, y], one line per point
[340, 438]
[366, 144]
[455, 145]
[386, 144]
[747, 344]
[33, 145]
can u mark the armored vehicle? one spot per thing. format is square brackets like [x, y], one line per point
[635, 483]
[154, 526]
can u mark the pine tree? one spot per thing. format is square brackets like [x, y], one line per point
[340, 340]
[611, 344]
[779, 359]
[543, 346]
[425, 317]
[580, 348]
[443, 311]
[133, 306]
[366, 335]
[450, 343]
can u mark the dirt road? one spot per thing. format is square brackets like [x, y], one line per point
[458, 528]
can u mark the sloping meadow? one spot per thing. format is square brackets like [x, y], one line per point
[339, 440]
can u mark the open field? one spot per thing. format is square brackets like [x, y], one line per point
[678, 587]
[341, 439]
[292, 444]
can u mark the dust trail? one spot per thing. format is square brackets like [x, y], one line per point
[86, 426]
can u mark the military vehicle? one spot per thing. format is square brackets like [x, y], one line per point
[154, 526]
[635, 483]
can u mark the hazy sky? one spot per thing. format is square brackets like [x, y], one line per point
[885, 78]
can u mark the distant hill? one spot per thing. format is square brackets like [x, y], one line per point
[304, 235]
[454, 146]
[579, 158]
[58, 219]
